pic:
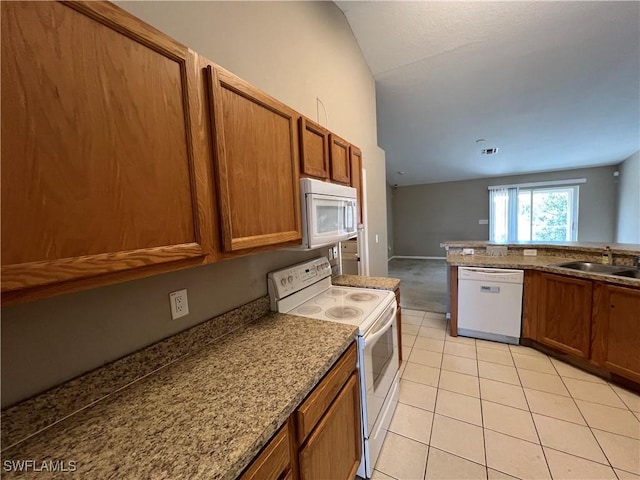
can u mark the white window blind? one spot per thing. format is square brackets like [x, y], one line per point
[543, 211]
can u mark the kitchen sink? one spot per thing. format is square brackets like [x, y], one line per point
[592, 267]
[633, 273]
[618, 271]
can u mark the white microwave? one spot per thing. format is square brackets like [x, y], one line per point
[329, 213]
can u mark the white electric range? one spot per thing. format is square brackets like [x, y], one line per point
[305, 290]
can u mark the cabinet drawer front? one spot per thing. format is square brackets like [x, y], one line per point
[334, 448]
[316, 404]
[274, 461]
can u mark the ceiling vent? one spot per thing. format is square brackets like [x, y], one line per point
[489, 151]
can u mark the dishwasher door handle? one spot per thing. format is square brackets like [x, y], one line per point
[487, 289]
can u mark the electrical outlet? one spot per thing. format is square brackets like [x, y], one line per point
[530, 252]
[330, 253]
[467, 251]
[179, 304]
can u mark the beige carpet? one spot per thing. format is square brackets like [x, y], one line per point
[424, 283]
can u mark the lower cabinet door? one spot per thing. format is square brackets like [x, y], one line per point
[564, 314]
[616, 329]
[334, 448]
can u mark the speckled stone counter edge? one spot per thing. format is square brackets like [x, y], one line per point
[32, 415]
[544, 264]
[574, 247]
[254, 375]
[362, 281]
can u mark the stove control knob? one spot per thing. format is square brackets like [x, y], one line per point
[283, 282]
[290, 279]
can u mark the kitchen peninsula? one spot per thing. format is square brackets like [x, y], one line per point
[588, 318]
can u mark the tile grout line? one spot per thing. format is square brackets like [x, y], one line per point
[586, 422]
[435, 406]
[484, 438]
[544, 455]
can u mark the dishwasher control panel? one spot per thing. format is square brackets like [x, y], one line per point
[498, 275]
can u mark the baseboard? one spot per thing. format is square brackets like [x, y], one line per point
[416, 257]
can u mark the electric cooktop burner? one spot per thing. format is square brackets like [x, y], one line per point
[361, 297]
[342, 313]
[337, 292]
[309, 310]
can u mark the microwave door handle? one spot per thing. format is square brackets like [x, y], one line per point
[371, 339]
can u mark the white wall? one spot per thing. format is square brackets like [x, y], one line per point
[295, 51]
[628, 218]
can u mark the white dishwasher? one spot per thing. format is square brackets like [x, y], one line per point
[490, 303]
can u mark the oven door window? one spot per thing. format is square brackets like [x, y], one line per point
[381, 357]
[381, 365]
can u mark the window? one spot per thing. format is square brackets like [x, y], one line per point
[545, 211]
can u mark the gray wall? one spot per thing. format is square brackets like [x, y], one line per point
[628, 214]
[426, 215]
[296, 51]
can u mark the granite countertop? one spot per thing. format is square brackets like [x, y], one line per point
[542, 263]
[619, 248]
[361, 281]
[206, 415]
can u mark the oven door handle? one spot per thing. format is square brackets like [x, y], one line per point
[368, 340]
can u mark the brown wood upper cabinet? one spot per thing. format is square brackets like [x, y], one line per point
[256, 164]
[340, 163]
[314, 149]
[564, 313]
[616, 329]
[355, 163]
[100, 171]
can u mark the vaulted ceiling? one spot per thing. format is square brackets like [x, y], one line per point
[553, 85]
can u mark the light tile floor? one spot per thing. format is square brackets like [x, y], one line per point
[472, 409]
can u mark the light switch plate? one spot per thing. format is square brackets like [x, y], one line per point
[179, 304]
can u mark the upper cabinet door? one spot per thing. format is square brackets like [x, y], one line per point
[98, 171]
[257, 164]
[355, 156]
[314, 149]
[340, 168]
